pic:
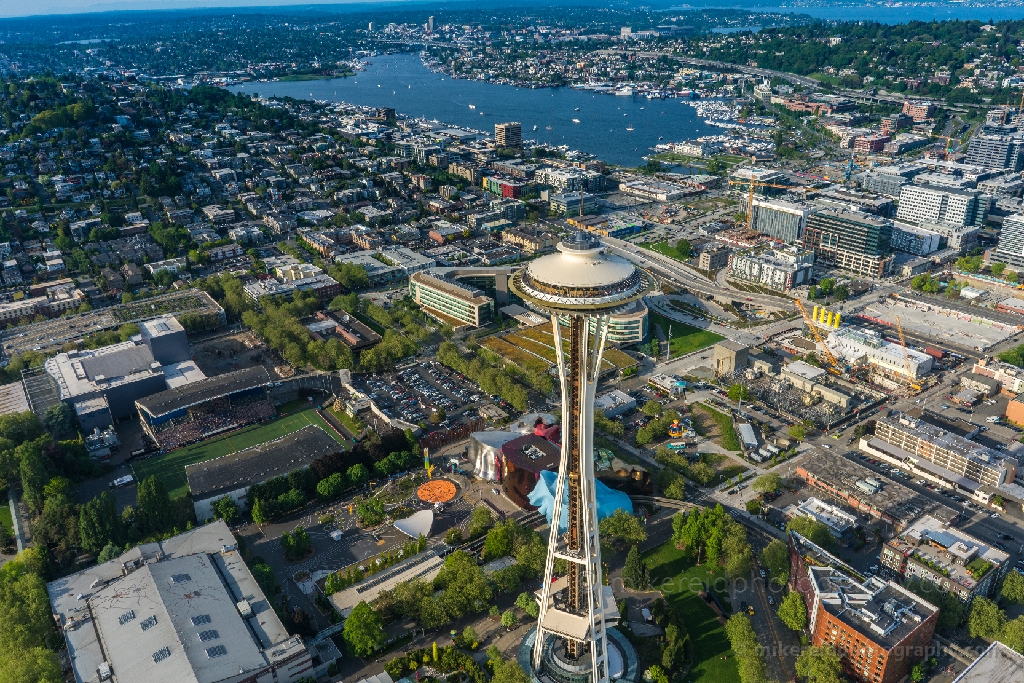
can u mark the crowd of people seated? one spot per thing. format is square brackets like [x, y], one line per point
[213, 417]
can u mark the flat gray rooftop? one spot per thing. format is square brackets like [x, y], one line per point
[204, 390]
[997, 664]
[153, 613]
[894, 500]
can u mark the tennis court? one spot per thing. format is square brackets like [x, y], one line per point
[170, 467]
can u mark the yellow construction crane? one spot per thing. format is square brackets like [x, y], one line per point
[834, 366]
[906, 356]
[750, 199]
[947, 138]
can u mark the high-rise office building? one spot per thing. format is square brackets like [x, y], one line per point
[926, 204]
[782, 220]
[430, 24]
[996, 151]
[508, 135]
[1010, 249]
[850, 240]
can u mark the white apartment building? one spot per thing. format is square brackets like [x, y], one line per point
[1010, 249]
[778, 269]
[925, 204]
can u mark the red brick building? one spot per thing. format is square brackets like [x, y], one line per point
[919, 110]
[879, 629]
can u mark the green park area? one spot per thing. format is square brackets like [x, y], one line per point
[679, 580]
[170, 467]
[666, 249]
[685, 338]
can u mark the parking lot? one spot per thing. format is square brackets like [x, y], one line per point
[415, 393]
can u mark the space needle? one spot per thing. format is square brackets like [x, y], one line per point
[579, 287]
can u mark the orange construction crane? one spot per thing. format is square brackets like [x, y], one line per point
[834, 366]
[750, 200]
[906, 356]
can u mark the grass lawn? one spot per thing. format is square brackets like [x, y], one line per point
[5, 513]
[351, 424]
[727, 433]
[676, 576]
[170, 467]
[666, 249]
[685, 338]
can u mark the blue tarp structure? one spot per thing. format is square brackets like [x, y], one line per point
[608, 500]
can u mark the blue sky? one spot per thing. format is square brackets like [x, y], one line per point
[21, 8]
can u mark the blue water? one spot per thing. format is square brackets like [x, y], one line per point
[402, 82]
[882, 12]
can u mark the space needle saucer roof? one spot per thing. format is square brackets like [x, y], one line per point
[581, 277]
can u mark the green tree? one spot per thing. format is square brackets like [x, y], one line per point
[997, 268]
[623, 526]
[480, 520]
[985, 619]
[769, 482]
[749, 656]
[652, 408]
[259, 514]
[635, 573]
[500, 539]
[918, 672]
[656, 674]
[793, 611]
[738, 392]
[33, 474]
[466, 589]
[819, 664]
[25, 623]
[59, 419]
[607, 425]
[814, 531]
[98, 523]
[1013, 587]
[357, 475]
[509, 620]
[528, 604]
[775, 557]
[155, 513]
[332, 486]
[370, 512]
[509, 672]
[364, 630]
[1012, 634]
[226, 508]
[798, 432]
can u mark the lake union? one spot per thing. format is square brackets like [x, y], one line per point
[404, 83]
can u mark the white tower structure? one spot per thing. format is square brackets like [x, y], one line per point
[579, 287]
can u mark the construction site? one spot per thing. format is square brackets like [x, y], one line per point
[837, 370]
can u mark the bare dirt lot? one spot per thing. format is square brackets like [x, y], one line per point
[235, 352]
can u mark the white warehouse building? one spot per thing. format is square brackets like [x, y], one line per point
[859, 346]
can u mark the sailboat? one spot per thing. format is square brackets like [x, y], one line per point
[547, 128]
[535, 126]
[575, 120]
[630, 127]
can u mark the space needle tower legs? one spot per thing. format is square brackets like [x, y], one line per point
[580, 288]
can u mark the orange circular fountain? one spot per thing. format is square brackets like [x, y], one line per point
[437, 491]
